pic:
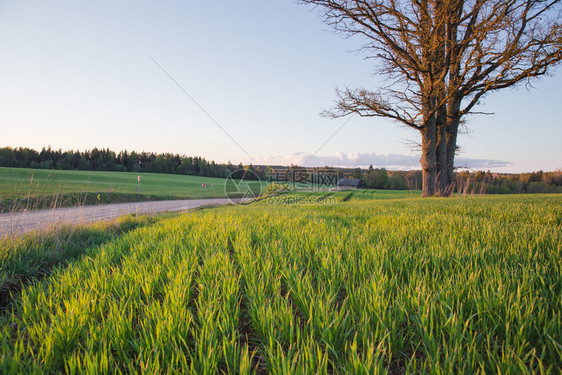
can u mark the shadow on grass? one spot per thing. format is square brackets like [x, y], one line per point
[24, 260]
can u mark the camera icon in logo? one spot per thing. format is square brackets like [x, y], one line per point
[242, 186]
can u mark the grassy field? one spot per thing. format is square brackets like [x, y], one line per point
[359, 285]
[40, 188]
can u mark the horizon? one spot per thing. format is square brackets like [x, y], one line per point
[81, 75]
[362, 167]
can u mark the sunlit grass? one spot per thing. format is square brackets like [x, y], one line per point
[22, 188]
[361, 286]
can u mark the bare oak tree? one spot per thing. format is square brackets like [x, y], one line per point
[442, 57]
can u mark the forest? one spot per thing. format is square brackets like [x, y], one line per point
[465, 181]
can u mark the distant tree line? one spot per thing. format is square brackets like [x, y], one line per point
[107, 160]
[479, 182]
[466, 182]
[380, 178]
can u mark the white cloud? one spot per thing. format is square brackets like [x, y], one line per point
[363, 160]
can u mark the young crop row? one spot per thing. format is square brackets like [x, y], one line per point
[362, 286]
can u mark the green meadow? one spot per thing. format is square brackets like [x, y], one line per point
[348, 282]
[22, 188]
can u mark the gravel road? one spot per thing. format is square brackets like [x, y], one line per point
[21, 222]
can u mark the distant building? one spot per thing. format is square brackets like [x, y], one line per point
[350, 183]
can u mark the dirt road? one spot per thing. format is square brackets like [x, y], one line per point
[22, 222]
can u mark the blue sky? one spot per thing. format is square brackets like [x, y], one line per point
[76, 75]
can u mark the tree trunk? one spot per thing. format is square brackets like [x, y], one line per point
[452, 131]
[428, 159]
[442, 183]
[453, 121]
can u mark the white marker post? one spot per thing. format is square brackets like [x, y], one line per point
[138, 186]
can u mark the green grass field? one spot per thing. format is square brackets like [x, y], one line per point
[39, 188]
[365, 285]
